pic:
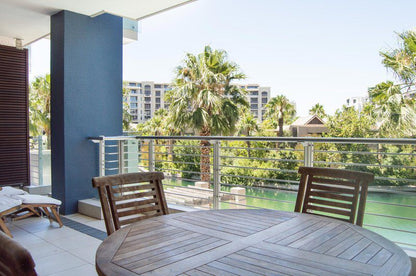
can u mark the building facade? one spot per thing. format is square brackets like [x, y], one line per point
[257, 96]
[146, 97]
[357, 102]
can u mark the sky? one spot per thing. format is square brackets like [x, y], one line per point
[320, 51]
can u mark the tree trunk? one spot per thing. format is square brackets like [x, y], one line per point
[205, 156]
[281, 127]
[248, 148]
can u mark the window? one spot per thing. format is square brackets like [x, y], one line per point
[157, 106]
[147, 106]
[134, 118]
[157, 100]
[147, 99]
[158, 93]
[133, 105]
[132, 84]
[254, 106]
[165, 86]
[158, 86]
[264, 93]
[147, 90]
[254, 93]
[133, 99]
[166, 106]
[252, 87]
[264, 100]
[133, 91]
[354, 101]
[254, 100]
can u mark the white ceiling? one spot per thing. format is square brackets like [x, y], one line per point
[29, 20]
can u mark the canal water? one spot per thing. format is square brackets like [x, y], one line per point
[378, 212]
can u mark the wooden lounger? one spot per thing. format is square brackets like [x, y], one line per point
[8, 206]
[15, 201]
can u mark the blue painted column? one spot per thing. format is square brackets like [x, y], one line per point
[86, 99]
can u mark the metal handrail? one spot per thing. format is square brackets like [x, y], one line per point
[395, 141]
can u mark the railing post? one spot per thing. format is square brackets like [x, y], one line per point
[101, 157]
[120, 156]
[216, 175]
[40, 160]
[308, 154]
[151, 156]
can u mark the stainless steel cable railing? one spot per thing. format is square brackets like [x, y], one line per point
[263, 173]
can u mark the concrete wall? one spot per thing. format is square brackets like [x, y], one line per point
[86, 99]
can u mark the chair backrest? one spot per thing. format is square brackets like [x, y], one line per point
[334, 193]
[130, 197]
[15, 260]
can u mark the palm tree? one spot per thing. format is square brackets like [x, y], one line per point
[246, 125]
[402, 61]
[393, 107]
[395, 112]
[318, 110]
[204, 99]
[40, 108]
[280, 109]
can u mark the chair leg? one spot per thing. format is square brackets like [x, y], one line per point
[3, 227]
[48, 214]
[54, 210]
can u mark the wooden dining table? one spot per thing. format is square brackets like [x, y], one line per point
[248, 242]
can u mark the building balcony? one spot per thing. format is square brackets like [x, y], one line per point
[245, 172]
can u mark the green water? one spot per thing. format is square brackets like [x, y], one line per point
[276, 199]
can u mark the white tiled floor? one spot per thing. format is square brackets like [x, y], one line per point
[58, 251]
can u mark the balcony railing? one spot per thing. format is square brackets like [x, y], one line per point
[261, 172]
[40, 161]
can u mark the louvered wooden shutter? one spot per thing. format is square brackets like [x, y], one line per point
[14, 134]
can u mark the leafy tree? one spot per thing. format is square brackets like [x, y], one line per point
[127, 118]
[280, 110]
[394, 108]
[318, 110]
[349, 122]
[39, 107]
[204, 99]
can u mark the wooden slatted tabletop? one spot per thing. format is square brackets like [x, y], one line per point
[248, 242]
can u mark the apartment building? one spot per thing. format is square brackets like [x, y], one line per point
[146, 97]
[257, 96]
[357, 102]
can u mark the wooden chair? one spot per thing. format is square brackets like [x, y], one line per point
[14, 259]
[127, 198]
[334, 193]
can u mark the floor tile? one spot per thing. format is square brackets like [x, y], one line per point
[76, 241]
[57, 263]
[87, 252]
[85, 270]
[57, 233]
